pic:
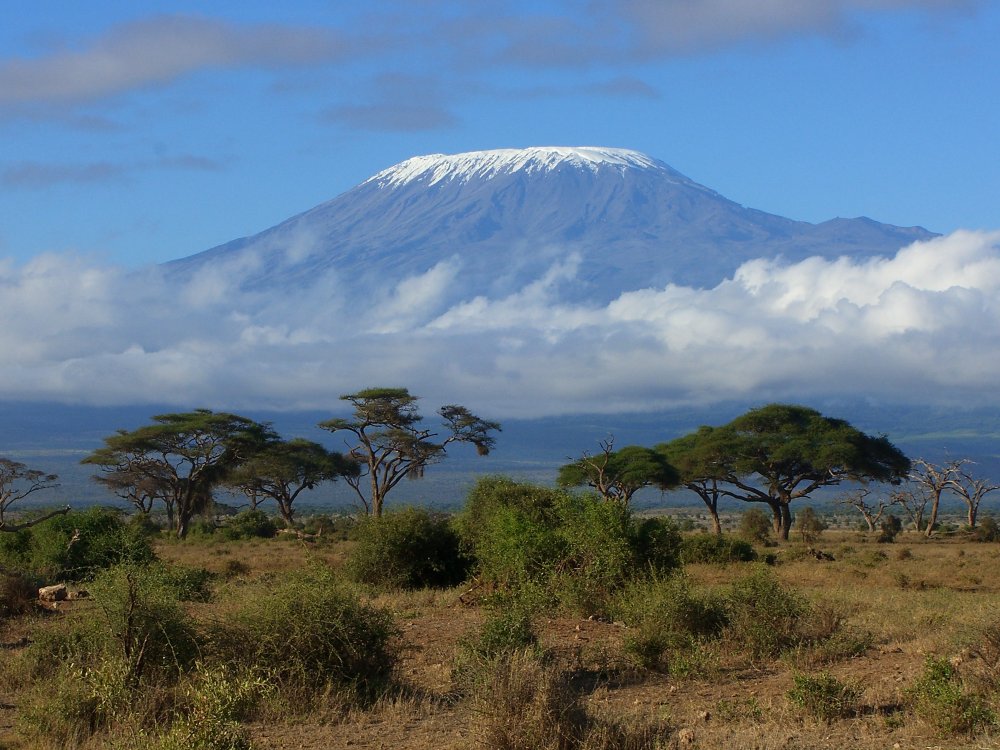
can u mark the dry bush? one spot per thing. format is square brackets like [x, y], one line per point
[529, 705]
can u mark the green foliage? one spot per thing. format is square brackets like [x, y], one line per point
[763, 616]
[75, 546]
[407, 548]
[719, 549]
[212, 704]
[824, 696]
[669, 623]
[142, 622]
[938, 698]
[189, 584]
[580, 548]
[250, 524]
[755, 526]
[618, 475]
[306, 630]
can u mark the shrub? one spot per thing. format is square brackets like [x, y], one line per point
[18, 594]
[189, 584]
[527, 704]
[76, 545]
[888, 529]
[809, 525]
[755, 526]
[305, 630]
[763, 617]
[407, 549]
[579, 547]
[939, 699]
[988, 530]
[824, 696]
[142, 622]
[250, 524]
[668, 624]
[716, 548]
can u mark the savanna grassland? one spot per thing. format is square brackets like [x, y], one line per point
[577, 626]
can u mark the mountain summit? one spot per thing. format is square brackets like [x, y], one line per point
[592, 221]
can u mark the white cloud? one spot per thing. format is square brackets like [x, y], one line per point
[923, 325]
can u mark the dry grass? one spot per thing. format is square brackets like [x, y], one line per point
[937, 597]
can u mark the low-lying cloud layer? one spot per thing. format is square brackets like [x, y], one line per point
[923, 326]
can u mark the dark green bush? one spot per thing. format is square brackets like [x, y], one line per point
[75, 546]
[581, 548]
[250, 524]
[307, 631]
[755, 526]
[720, 549]
[536, 505]
[407, 548]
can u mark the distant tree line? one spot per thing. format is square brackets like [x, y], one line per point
[774, 455]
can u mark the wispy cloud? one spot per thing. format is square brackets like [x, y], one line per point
[43, 175]
[157, 51]
[922, 326]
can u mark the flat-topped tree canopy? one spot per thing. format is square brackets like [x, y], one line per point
[618, 474]
[179, 459]
[781, 452]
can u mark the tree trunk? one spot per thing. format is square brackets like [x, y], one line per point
[932, 521]
[786, 521]
[973, 510]
[716, 523]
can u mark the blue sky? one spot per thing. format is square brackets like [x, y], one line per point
[137, 133]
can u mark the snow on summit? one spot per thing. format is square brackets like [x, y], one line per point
[435, 168]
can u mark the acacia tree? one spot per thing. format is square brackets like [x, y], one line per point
[17, 481]
[618, 475]
[179, 459]
[872, 512]
[701, 458]
[391, 443]
[930, 481]
[782, 452]
[281, 471]
[970, 491]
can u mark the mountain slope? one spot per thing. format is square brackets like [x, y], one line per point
[613, 219]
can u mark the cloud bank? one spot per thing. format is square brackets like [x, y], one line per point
[922, 326]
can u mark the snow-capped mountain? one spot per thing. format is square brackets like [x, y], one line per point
[593, 221]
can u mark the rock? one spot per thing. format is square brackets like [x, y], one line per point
[55, 593]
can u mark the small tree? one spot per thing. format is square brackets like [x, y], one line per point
[618, 475]
[930, 481]
[970, 490]
[888, 529]
[914, 504]
[871, 512]
[391, 444]
[755, 526]
[809, 525]
[17, 481]
[282, 470]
